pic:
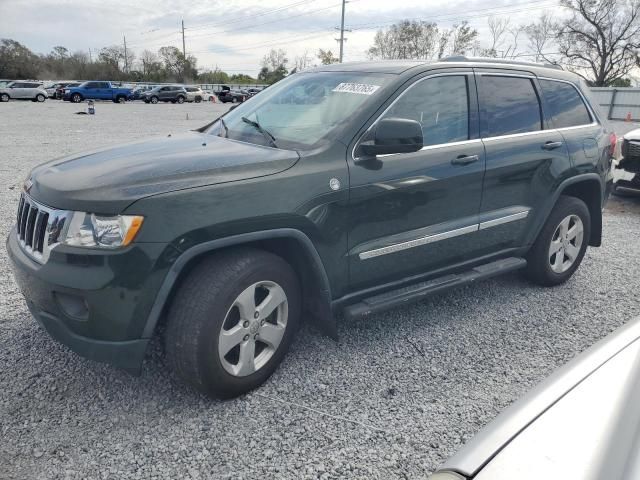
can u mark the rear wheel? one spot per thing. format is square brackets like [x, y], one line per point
[232, 321]
[198, 99]
[180, 99]
[561, 244]
[234, 100]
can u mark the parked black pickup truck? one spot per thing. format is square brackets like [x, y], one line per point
[400, 179]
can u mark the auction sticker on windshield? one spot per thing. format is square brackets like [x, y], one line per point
[361, 88]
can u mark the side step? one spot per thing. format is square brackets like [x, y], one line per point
[418, 291]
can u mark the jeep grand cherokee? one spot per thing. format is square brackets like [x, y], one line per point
[350, 189]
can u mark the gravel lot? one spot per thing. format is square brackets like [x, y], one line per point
[398, 394]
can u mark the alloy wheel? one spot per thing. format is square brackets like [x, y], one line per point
[253, 328]
[566, 243]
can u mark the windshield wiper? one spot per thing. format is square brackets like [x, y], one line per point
[226, 129]
[265, 133]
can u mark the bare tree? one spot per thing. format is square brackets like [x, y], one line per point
[541, 39]
[462, 38]
[601, 38]
[504, 38]
[303, 61]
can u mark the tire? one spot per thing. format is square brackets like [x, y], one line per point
[4, 97]
[203, 308]
[121, 99]
[198, 99]
[180, 100]
[234, 100]
[154, 99]
[547, 268]
[76, 98]
[40, 98]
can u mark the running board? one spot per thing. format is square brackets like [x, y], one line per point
[418, 291]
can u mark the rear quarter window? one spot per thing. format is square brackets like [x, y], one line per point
[565, 104]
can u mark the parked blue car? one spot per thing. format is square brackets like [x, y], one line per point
[97, 91]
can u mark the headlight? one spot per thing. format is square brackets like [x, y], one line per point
[90, 230]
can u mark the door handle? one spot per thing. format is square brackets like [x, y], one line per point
[551, 145]
[464, 159]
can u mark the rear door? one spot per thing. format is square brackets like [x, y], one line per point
[525, 156]
[413, 213]
[106, 92]
[584, 136]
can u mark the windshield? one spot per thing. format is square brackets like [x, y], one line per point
[301, 110]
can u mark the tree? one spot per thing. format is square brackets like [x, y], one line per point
[462, 38]
[601, 38]
[541, 36]
[17, 61]
[326, 57]
[408, 39]
[242, 78]
[419, 40]
[177, 66]
[303, 61]
[504, 38]
[274, 66]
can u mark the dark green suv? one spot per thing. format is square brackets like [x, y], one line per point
[348, 189]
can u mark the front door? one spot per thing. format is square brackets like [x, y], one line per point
[525, 156]
[413, 213]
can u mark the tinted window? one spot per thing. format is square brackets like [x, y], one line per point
[508, 105]
[103, 85]
[92, 85]
[441, 105]
[565, 104]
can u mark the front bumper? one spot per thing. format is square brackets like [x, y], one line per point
[96, 303]
[625, 180]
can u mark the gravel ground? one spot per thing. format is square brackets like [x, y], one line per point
[393, 398]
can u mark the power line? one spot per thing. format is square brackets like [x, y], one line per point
[266, 23]
[248, 17]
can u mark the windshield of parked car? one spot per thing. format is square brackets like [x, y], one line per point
[301, 110]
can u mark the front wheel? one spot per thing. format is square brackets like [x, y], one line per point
[40, 98]
[561, 244]
[232, 321]
[154, 100]
[4, 97]
[76, 98]
[121, 99]
[234, 100]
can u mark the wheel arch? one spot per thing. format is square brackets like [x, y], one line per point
[588, 188]
[291, 244]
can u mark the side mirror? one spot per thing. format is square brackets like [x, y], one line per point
[394, 135]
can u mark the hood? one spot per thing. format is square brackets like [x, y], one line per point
[582, 422]
[108, 180]
[633, 135]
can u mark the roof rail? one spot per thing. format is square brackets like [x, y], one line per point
[462, 58]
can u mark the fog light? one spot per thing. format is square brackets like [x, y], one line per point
[73, 306]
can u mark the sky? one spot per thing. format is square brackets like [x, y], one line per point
[234, 35]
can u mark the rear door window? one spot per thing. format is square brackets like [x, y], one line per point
[508, 105]
[565, 104]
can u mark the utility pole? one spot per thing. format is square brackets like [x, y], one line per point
[126, 57]
[90, 59]
[184, 50]
[342, 31]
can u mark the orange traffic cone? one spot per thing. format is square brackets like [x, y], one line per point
[628, 118]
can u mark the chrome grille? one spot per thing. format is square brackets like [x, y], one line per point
[38, 227]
